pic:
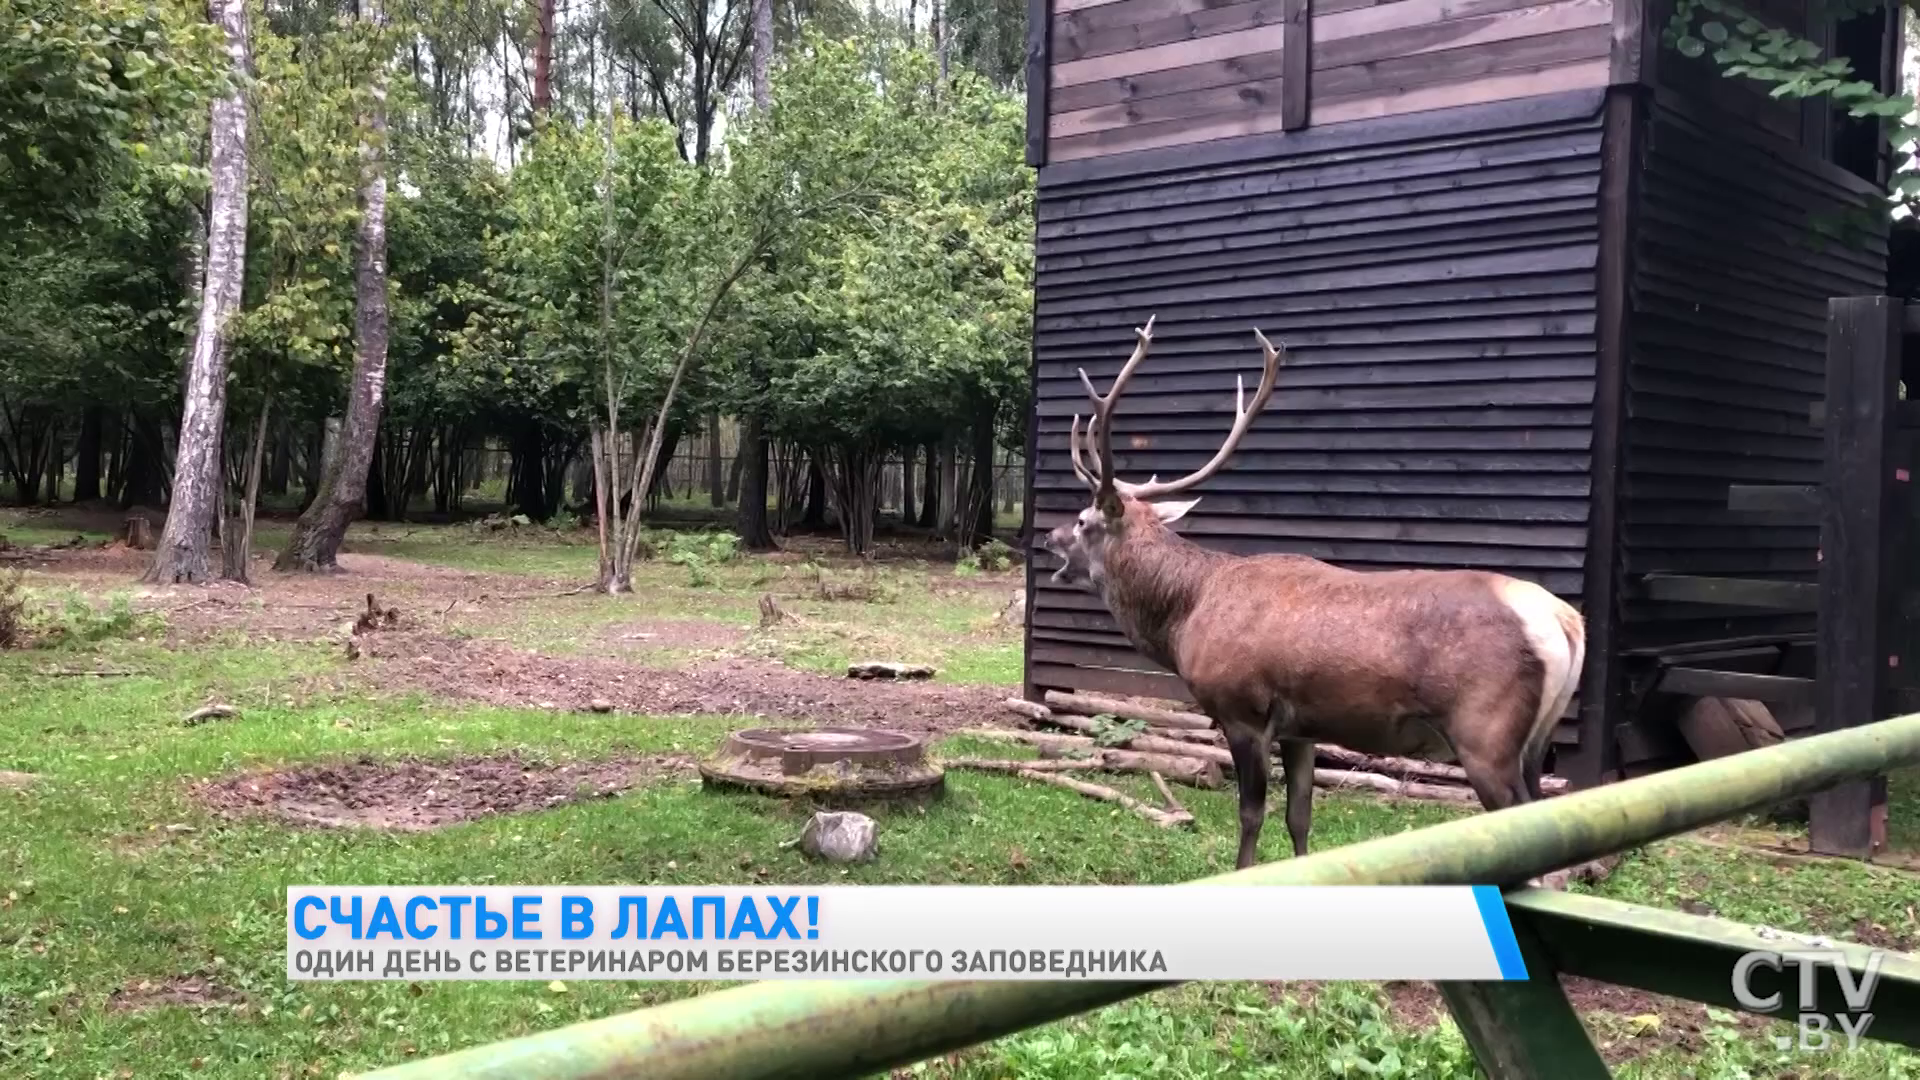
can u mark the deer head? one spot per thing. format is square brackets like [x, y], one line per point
[1121, 509]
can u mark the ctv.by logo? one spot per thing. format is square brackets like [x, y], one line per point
[1856, 989]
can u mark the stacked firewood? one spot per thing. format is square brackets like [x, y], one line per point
[1121, 736]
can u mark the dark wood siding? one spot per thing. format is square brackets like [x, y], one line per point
[1128, 75]
[1741, 240]
[1434, 280]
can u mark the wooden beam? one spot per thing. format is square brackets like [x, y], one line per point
[1732, 592]
[1692, 957]
[1774, 498]
[1296, 60]
[1595, 757]
[1524, 1029]
[1039, 31]
[1702, 682]
[1864, 340]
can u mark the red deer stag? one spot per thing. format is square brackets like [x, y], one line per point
[1448, 665]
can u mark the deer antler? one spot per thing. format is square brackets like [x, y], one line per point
[1243, 416]
[1100, 428]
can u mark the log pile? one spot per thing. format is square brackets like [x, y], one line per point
[1183, 746]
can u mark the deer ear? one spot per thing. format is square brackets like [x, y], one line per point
[1171, 512]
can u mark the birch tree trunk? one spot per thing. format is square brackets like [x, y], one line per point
[315, 544]
[184, 551]
[756, 534]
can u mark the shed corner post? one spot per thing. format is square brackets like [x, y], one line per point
[1864, 341]
[1039, 42]
[1595, 760]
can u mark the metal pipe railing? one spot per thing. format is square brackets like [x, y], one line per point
[778, 1029]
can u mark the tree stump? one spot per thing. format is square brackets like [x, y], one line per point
[137, 533]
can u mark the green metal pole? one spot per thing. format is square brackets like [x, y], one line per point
[777, 1029]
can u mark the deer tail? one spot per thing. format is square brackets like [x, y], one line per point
[1557, 694]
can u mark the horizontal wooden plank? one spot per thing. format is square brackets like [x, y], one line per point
[1488, 88]
[1253, 96]
[1114, 28]
[1703, 682]
[1334, 48]
[1775, 498]
[1402, 14]
[1403, 74]
[1149, 72]
[1732, 592]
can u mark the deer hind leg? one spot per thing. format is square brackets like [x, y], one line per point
[1296, 762]
[1249, 749]
[1488, 733]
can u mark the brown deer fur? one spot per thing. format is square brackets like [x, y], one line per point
[1445, 665]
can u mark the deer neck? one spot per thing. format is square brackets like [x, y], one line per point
[1150, 584]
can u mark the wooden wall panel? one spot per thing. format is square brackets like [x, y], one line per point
[1435, 285]
[1131, 75]
[1738, 248]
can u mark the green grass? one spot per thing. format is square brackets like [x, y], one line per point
[97, 892]
[103, 895]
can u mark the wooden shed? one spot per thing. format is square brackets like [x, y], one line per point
[1549, 288]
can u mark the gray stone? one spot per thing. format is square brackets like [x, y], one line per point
[840, 836]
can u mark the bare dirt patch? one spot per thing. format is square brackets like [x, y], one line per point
[1633, 1023]
[496, 674]
[411, 795]
[190, 991]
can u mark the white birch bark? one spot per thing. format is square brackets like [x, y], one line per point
[317, 536]
[183, 553]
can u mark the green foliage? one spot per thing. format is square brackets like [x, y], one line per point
[1744, 45]
[93, 90]
[69, 619]
[699, 553]
[1110, 730]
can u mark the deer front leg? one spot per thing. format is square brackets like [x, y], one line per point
[1249, 750]
[1296, 762]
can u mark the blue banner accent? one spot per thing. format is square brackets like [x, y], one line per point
[1506, 949]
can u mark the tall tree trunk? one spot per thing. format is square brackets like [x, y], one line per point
[529, 494]
[762, 54]
[716, 472]
[237, 535]
[281, 471]
[183, 551]
[86, 462]
[543, 60]
[980, 498]
[907, 456]
[756, 533]
[930, 490]
[375, 504]
[950, 493]
[313, 465]
[142, 468]
[816, 514]
[315, 544]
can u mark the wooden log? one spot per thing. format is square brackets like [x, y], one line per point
[881, 669]
[209, 712]
[1094, 705]
[1151, 743]
[1166, 794]
[1031, 710]
[1106, 794]
[1386, 785]
[1192, 771]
